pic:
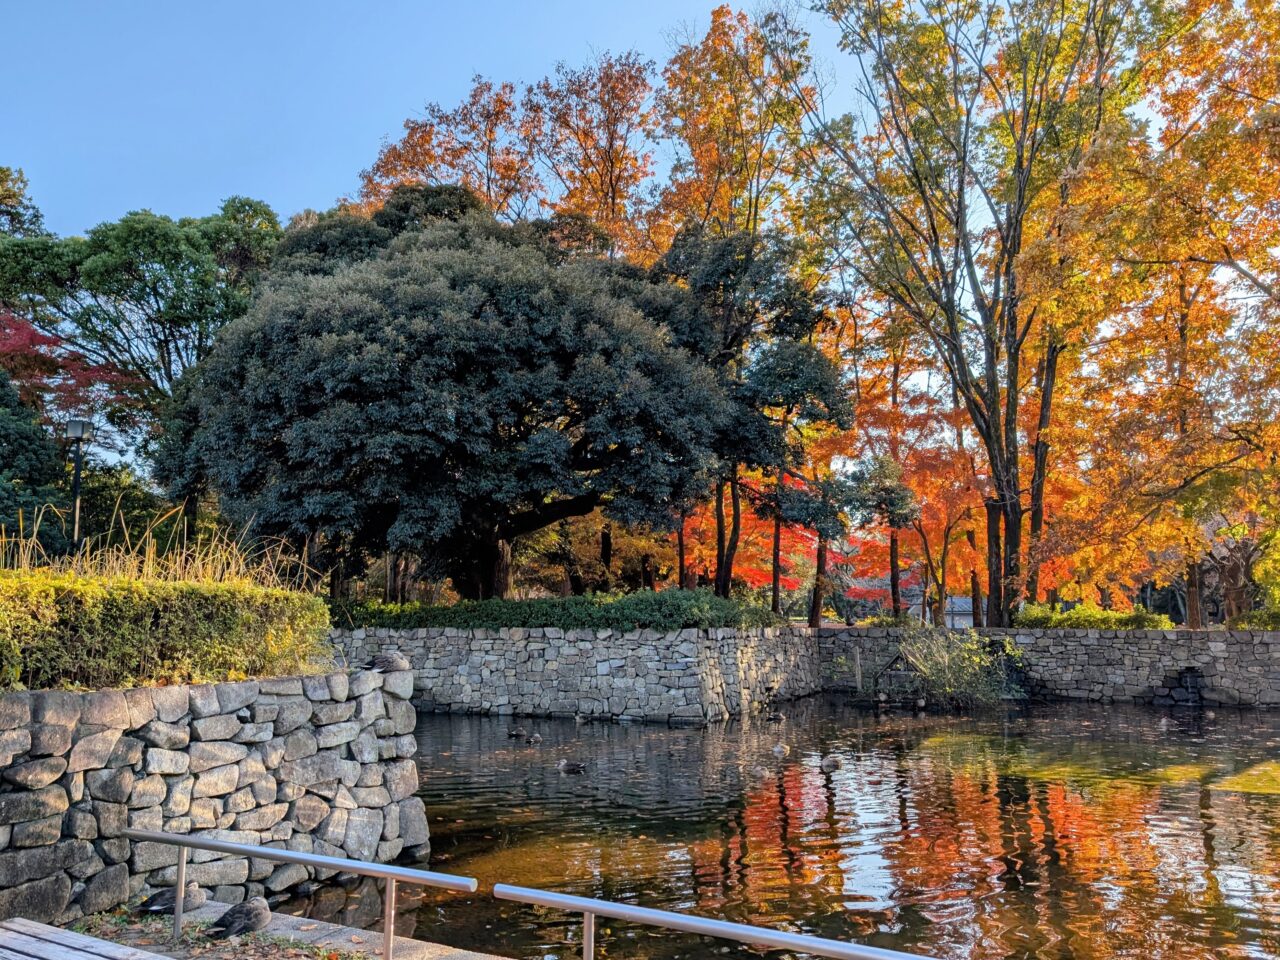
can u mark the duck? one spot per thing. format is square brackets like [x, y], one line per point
[920, 703]
[774, 717]
[517, 733]
[831, 764]
[388, 662]
[242, 918]
[571, 766]
[162, 901]
[781, 750]
[533, 739]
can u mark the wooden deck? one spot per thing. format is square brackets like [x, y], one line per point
[24, 940]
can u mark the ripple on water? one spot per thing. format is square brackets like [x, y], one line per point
[1059, 832]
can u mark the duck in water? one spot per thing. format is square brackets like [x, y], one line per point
[571, 766]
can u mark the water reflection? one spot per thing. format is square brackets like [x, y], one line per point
[1063, 832]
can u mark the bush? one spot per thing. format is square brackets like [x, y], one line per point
[1090, 617]
[1264, 619]
[649, 610]
[60, 629]
[958, 668]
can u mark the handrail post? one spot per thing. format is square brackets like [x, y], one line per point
[389, 919]
[181, 894]
[588, 936]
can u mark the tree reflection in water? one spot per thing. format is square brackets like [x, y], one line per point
[1065, 831]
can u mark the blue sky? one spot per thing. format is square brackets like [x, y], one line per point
[116, 106]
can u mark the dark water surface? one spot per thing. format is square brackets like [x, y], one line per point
[1062, 832]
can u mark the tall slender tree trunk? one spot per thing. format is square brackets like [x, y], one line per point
[682, 572]
[975, 599]
[819, 584]
[995, 602]
[1195, 610]
[500, 585]
[776, 605]
[1040, 468]
[895, 575]
[720, 533]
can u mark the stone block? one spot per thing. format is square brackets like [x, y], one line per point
[15, 710]
[281, 687]
[150, 791]
[80, 824]
[32, 804]
[171, 703]
[216, 782]
[207, 755]
[106, 708]
[220, 726]
[293, 714]
[254, 733]
[20, 866]
[92, 749]
[263, 818]
[43, 739]
[127, 753]
[337, 734]
[326, 713]
[400, 779]
[166, 736]
[339, 686]
[398, 684]
[300, 744]
[364, 831]
[108, 889]
[362, 682]
[41, 900]
[141, 706]
[37, 833]
[414, 829]
[308, 812]
[210, 874]
[57, 707]
[167, 762]
[233, 696]
[112, 818]
[35, 774]
[114, 786]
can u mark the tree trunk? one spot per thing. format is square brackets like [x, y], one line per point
[895, 575]
[606, 554]
[682, 573]
[1040, 468]
[389, 587]
[975, 598]
[1012, 585]
[995, 603]
[500, 585]
[646, 572]
[819, 584]
[335, 581]
[720, 533]
[735, 531]
[776, 605]
[1195, 611]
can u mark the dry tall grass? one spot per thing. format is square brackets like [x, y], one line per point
[164, 550]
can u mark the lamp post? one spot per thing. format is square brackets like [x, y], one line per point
[79, 432]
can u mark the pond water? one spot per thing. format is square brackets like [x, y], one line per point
[1063, 831]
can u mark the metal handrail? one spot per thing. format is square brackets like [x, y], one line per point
[688, 923]
[391, 874]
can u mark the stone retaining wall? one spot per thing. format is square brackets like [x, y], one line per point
[318, 764]
[1144, 666]
[690, 676]
[698, 676]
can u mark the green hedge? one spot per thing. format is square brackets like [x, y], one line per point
[63, 630]
[1089, 617]
[1265, 619]
[665, 610]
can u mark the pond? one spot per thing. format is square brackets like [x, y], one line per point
[1061, 831]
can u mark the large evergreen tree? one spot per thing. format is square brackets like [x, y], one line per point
[468, 385]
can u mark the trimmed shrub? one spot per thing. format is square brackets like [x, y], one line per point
[58, 629]
[1090, 617]
[647, 610]
[958, 668]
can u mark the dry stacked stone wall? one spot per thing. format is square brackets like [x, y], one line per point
[698, 676]
[318, 764]
[1143, 666]
[682, 676]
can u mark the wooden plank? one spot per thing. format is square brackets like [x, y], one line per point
[24, 948]
[89, 947]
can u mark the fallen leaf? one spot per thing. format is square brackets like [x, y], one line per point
[309, 926]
